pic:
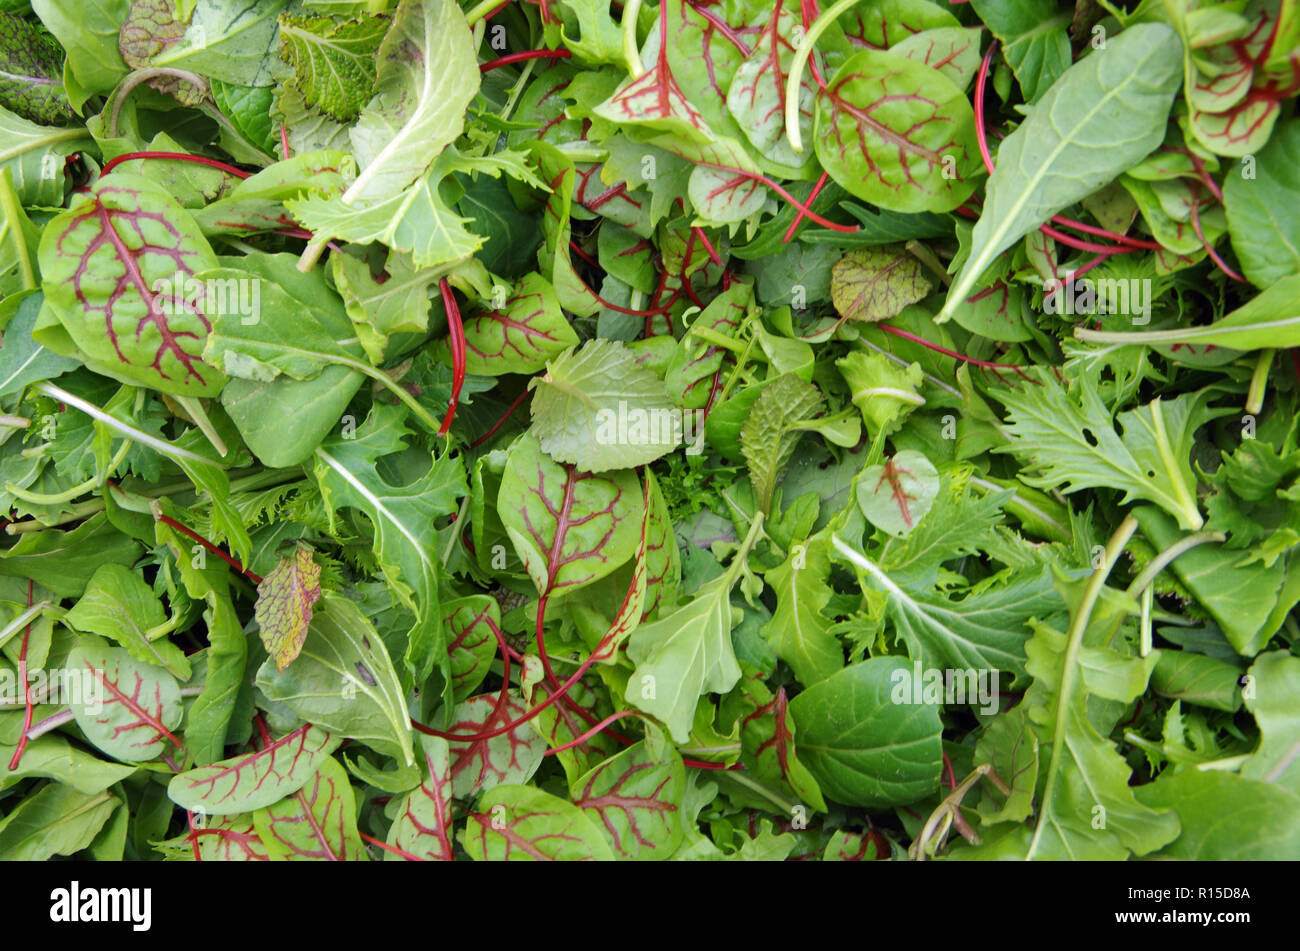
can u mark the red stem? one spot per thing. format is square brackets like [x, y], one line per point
[520, 57]
[177, 156]
[384, 845]
[284, 140]
[602, 725]
[790, 199]
[456, 331]
[166, 520]
[500, 422]
[812, 195]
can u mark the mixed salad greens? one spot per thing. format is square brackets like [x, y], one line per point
[724, 429]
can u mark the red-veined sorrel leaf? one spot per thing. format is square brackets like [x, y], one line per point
[897, 134]
[250, 782]
[756, 97]
[472, 643]
[520, 337]
[560, 724]
[896, 495]
[257, 203]
[284, 602]
[423, 824]
[570, 528]
[767, 742]
[729, 192]
[219, 839]
[128, 708]
[317, 823]
[952, 50]
[877, 283]
[882, 23]
[632, 798]
[553, 255]
[662, 559]
[524, 824]
[117, 269]
[853, 847]
[701, 60]
[690, 373]
[512, 757]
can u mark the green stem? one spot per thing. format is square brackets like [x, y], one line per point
[1185, 500]
[1070, 667]
[13, 213]
[475, 14]
[1259, 382]
[1158, 563]
[630, 52]
[21, 621]
[14, 422]
[384, 380]
[127, 430]
[199, 417]
[801, 56]
[67, 495]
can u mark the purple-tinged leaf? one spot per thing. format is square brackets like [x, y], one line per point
[284, 602]
[877, 283]
[633, 798]
[423, 824]
[250, 782]
[522, 823]
[317, 823]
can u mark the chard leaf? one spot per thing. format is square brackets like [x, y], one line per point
[130, 708]
[633, 798]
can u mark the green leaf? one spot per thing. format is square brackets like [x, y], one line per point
[88, 33]
[120, 606]
[1263, 212]
[397, 302]
[898, 494]
[255, 780]
[1009, 745]
[1274, 679]
[426, 76]
[1195, 678]
[1106, 113]
[53, 756]
[64, 561]
[598, 409]
[227, 40]
[1226, 817]
[863, 748]
[344, 682]
[769, 435]
[403, 518]
[284, 604]
[56, 820]
[799, 632]
[897, 133]
[1074, 445]
[1034, 39]
[333, 61]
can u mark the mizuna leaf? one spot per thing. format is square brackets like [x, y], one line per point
[634, 798]
[896, 495]
[333, 61]
[129, 708]
[511, 757]
[284, 602]
[863, 748]
[530, 330]
[111, 264]
[344, 682]
[120, 606]
[1105, 114]
[426, 76]
[402, 518]
[423, 824]
[522, 823]
[569, 528]
[316, 823]
[250, 782]
[897, 134]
